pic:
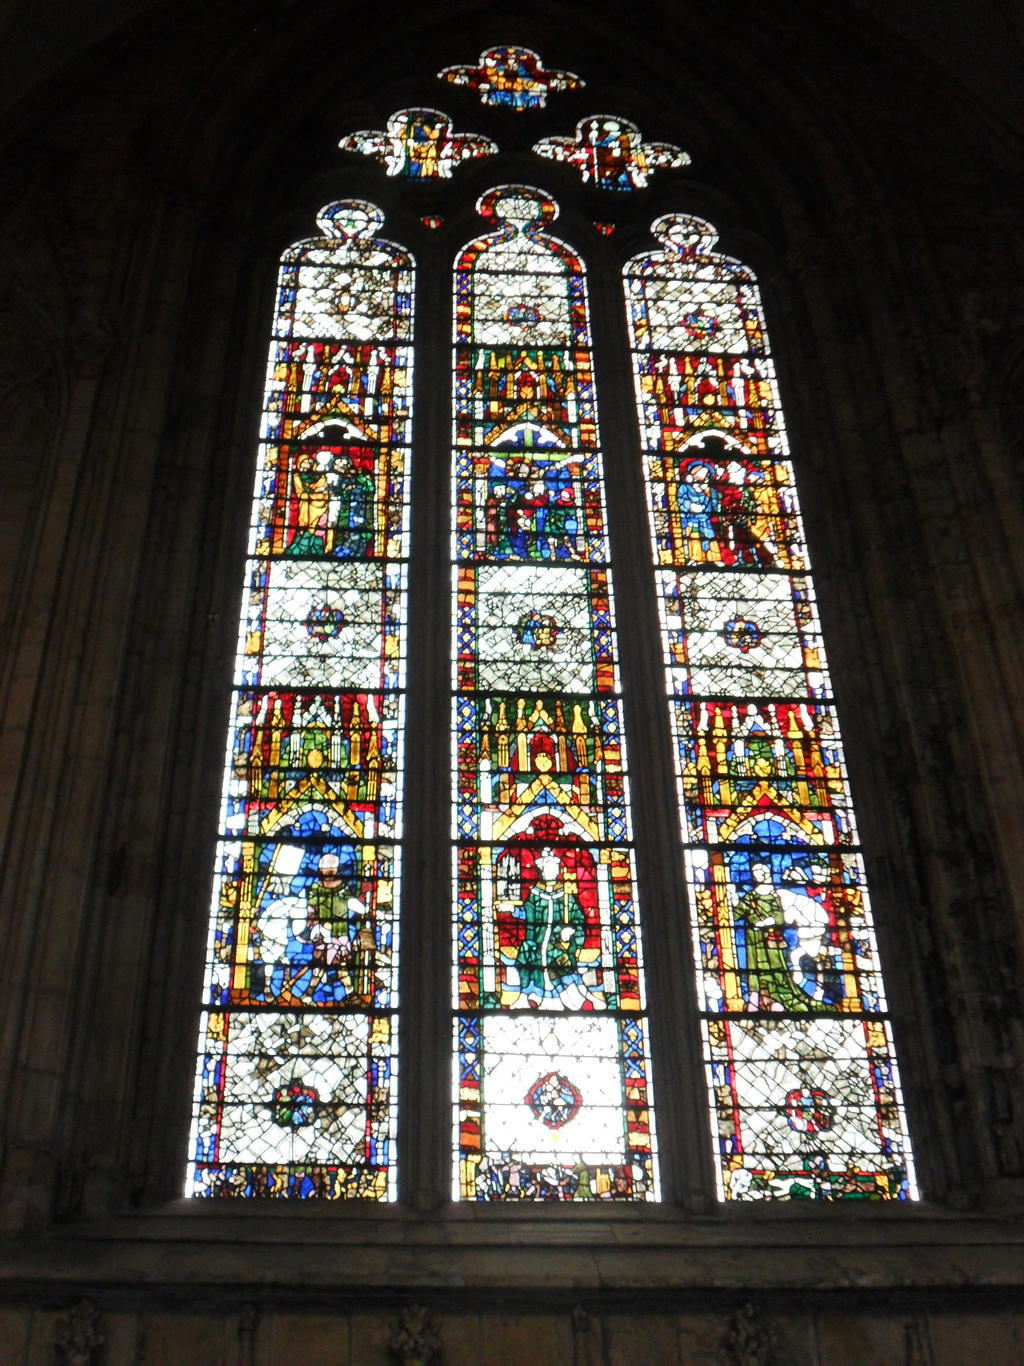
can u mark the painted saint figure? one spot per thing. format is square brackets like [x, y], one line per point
[548, 958]
[309, 483]
[350, 509]
[421, 140]
[557, 522]
[340, 929]
[811, 945]
[531, 512]
[697, 505]
[750, 522]
[761, 917]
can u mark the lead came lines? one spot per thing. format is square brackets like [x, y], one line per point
[801, 1079]
[554, 1096]
[295, 1083]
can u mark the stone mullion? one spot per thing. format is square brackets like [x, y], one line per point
[424, 1100]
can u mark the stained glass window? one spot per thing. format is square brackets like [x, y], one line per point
[420, 144]
[295, 1092]
[610, 153]
[552, 1096]
[802, 1081]
[512, 77]
[295, 1083]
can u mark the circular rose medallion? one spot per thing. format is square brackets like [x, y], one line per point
[554, 1100]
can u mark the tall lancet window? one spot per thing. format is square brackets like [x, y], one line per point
[553, 1095]
[804, 1094]
[295, 1084]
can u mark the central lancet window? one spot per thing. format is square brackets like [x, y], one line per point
[296, 1080]
[554, 1093]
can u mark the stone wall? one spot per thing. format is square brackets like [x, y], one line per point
[515, 1335]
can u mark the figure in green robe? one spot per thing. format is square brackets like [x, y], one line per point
[548, 958]
[760, 916]
[351, 509]
[340, 928]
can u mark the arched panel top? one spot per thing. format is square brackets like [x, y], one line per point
[348, 283]
[520, 213]
[519, 285]
[689, 295]
[688, 243]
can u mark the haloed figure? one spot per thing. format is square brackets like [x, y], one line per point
[548, 958]
[309, 484]
[760, 914]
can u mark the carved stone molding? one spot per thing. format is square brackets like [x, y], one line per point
[749, 1339]
[916, 1345]
[79, 1336]
[581, 1325]
[414, 1340]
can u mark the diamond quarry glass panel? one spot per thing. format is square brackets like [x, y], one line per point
[553, 1090]
[295, 1084]
[294, 1105]
[807, 1109]
[740, 635]
[802, 1081]
[311, 623]
[527, 626]
[555, 1107]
